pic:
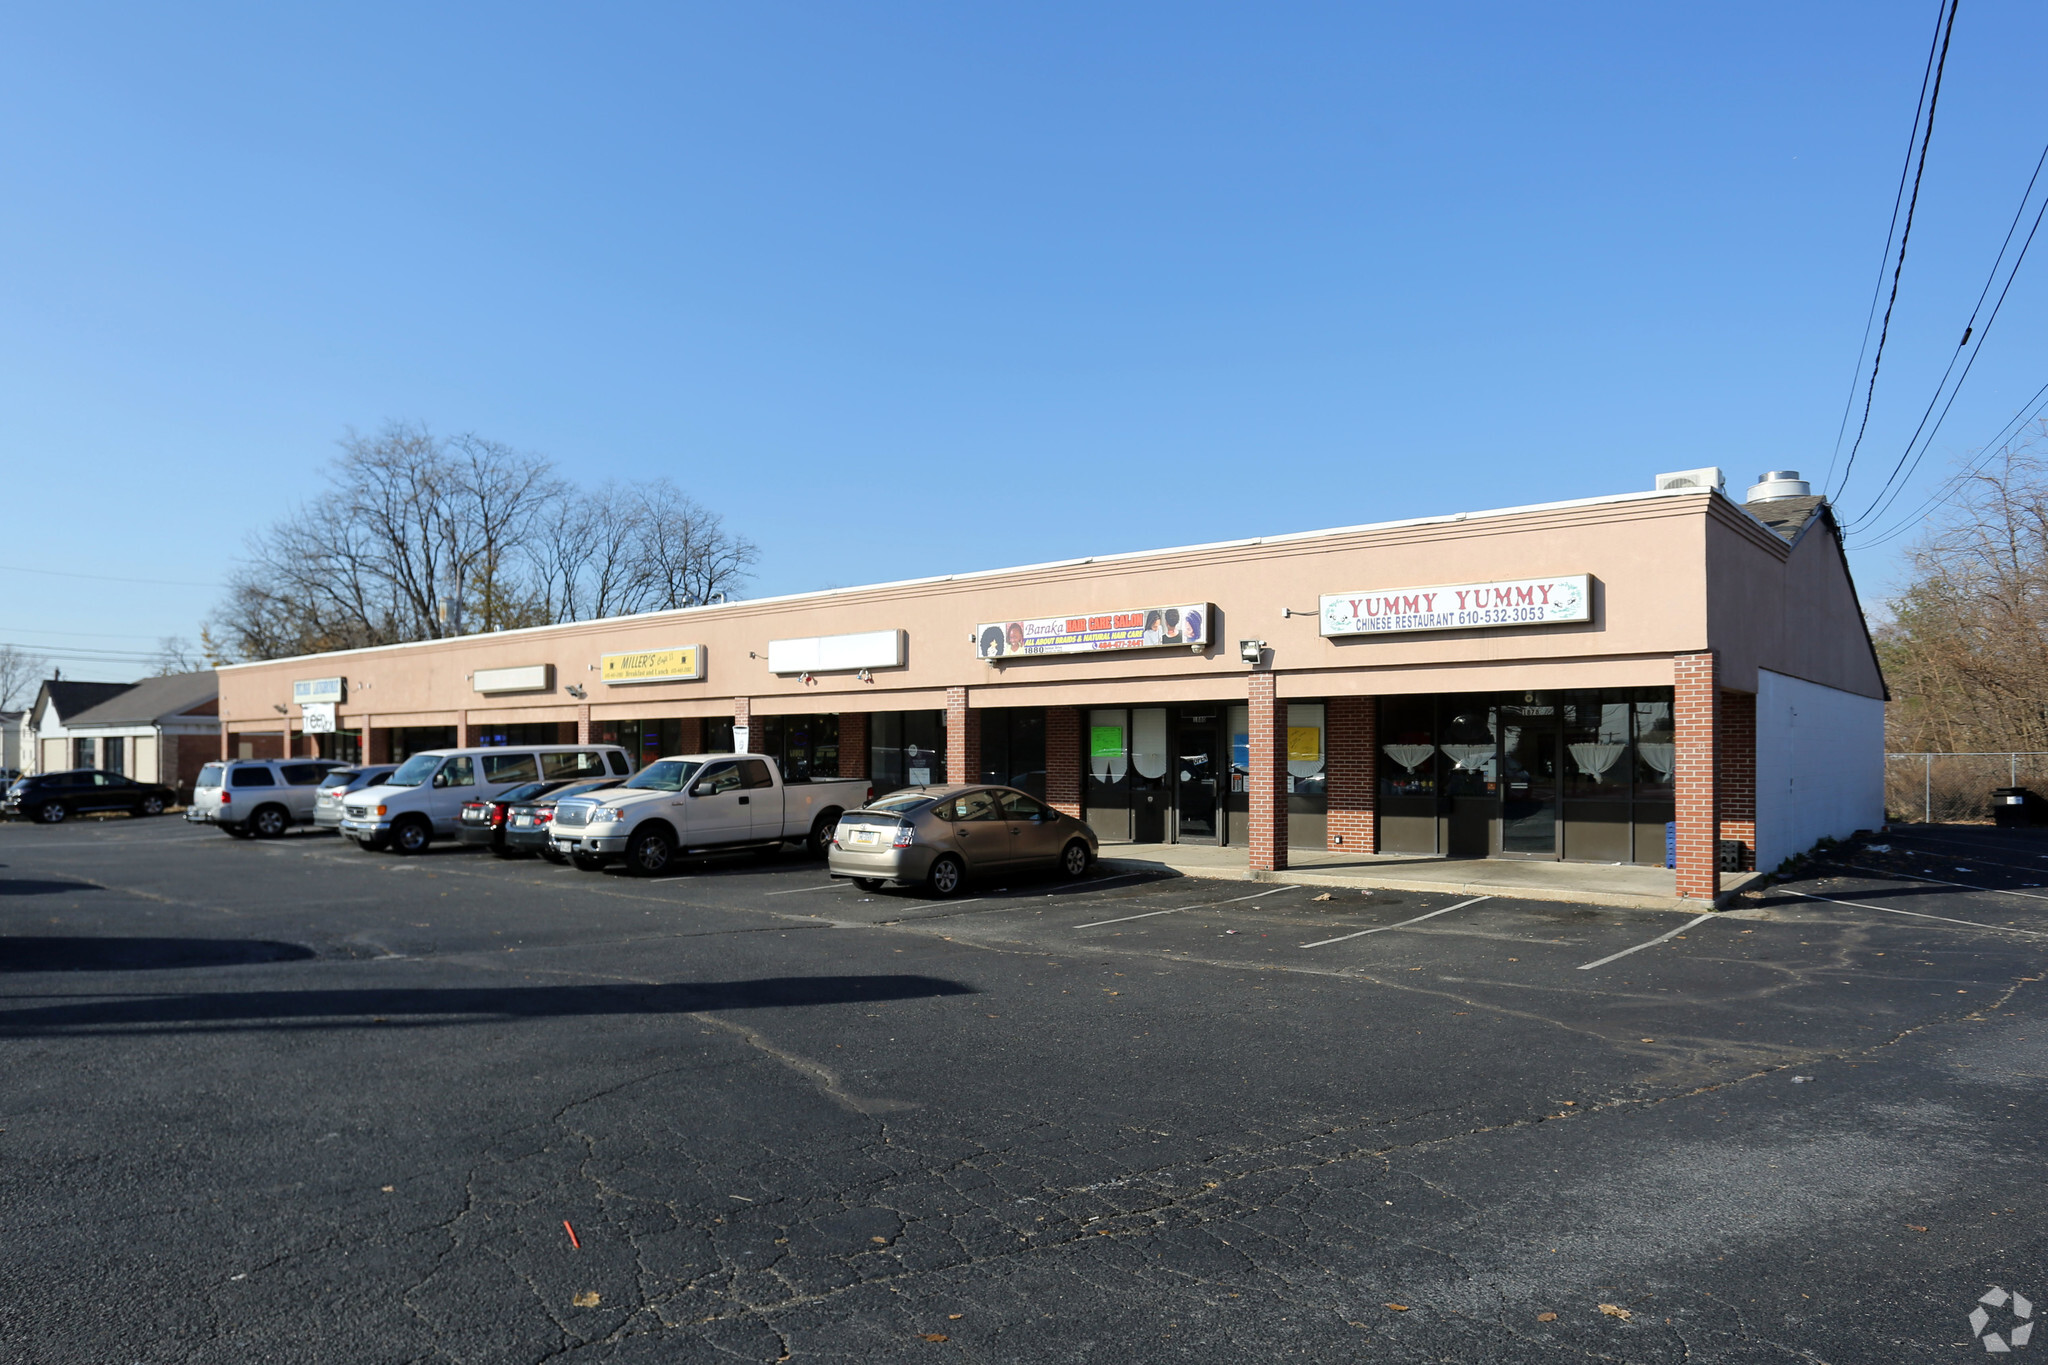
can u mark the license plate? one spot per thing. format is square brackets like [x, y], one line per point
[866, 836]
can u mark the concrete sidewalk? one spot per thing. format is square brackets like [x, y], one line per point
[1631, 887]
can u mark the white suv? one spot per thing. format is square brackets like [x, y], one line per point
[426, 795]
[258, 798]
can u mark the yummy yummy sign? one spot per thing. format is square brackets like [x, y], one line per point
[1459, 606]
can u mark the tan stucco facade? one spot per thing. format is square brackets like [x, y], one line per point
[1675, 577]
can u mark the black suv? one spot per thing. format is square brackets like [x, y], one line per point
[54, 797]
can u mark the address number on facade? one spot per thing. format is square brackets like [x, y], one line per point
[1459, 606]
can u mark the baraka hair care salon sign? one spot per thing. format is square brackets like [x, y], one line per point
[1459, 606]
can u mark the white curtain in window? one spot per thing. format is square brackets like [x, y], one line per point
[1148, 741]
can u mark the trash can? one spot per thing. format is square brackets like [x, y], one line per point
[2014, 806]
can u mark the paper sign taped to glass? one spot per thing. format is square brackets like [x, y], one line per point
[1459, 606]
[1120, 628]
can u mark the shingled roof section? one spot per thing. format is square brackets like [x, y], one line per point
[1786, 517]
[72, 698]
[151, 700]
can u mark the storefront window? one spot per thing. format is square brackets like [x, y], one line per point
[407, 740]
[1407, 758]
[1307, 782]
[906, 749]
[1240, 723]
[1013, 747]
[807, 747]
[1596, 744]
[529, 732]
[1656, 754]
[1470, 746]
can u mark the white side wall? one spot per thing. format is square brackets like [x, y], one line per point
[1819, 765]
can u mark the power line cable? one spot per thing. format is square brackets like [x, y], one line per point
[1898, 271]
[1879, 503]
[2029, 410]
[1891, 233]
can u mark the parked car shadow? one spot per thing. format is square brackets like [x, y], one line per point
[416, 1007]
[78, 954]
[37, 886]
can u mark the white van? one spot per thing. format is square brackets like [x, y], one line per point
[425, 796]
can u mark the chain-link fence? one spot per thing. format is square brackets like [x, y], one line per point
[1941, 787]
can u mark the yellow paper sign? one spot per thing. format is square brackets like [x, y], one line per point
[655, 665]
[1304, 744]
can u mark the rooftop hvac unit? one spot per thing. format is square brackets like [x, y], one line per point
[1692, 478]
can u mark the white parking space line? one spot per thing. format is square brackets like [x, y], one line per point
[828, 886]
[1205, 905]
[1611, 957]
[1917, 914]
[1345, 938]
[1922, 877]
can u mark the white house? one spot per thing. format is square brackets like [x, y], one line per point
[159, 730]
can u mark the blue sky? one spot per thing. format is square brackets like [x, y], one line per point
[907, 289]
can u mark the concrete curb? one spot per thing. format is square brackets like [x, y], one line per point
[1734, 884]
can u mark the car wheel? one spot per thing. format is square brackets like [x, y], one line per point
[820, 842]
[371, 845]
[649, 852]
[868, 883]
[946, 877]
[52, 813]
[1074, 859]
[412, 835]
[586, 862]
[151, 805]
[268, 822]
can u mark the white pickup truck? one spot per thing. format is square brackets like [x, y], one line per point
[700, 803]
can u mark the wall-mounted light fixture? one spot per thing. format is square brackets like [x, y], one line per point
[1251, 651]
[575, 690]
[281, 710]
[865, 676]
[1288, 612]
[805, 678]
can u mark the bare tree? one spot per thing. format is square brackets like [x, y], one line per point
[175, 654]
[1966, 652]
[419, 537]
[21, 673]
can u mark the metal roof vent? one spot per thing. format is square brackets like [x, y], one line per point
[1779, 483]
[1692, 478]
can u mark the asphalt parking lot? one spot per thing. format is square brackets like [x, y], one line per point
[290, 1101]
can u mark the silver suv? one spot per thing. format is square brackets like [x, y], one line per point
[335, 787]
[258, 798]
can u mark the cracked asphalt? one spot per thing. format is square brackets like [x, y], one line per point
[290, 1101]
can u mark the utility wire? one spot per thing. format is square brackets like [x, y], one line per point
[1926, 139]
[1891, 233]
[2013, 425]
[1874, 510]
[1881, 504]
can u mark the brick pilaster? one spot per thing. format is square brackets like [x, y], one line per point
[464, 737]
[1735, 774]
[583, 724]
[1695, 715]
[1352, 739]
[285, 744]
[963, 738]
[853, 744]
[1267, 819]
[226, 738]
[743, 715]
[1063, 759]
[376, 741]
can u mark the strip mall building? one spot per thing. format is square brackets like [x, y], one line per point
[1629, 679]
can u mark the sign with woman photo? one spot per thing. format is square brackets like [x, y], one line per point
[1185, 627]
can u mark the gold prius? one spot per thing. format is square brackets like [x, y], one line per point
[938, 837]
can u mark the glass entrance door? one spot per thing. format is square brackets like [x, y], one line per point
[1195, 792]
[1529, 738]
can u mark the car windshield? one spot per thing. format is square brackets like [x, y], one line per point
[664, 775]
[414, 771]
[209, 776]
[901, 803]
[585, 788]
[338, 777]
